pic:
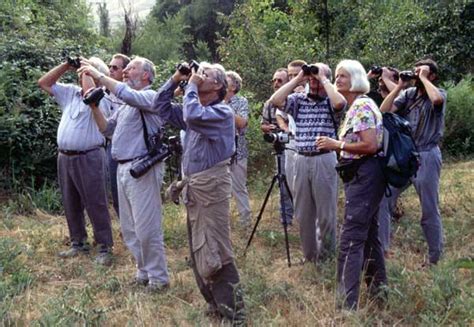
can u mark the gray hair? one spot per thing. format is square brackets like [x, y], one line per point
[100, 65]
[220, 76]
[236, 80]
[327, 70]
[147, 66]
[359, 81]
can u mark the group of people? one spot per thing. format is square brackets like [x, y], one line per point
[324, 118]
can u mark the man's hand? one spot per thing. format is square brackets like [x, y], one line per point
[327, 143]
[267, 128]
[197, 77]
[89, 70]
[422, 71]
[178, 77]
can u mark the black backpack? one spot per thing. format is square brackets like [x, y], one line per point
[401, 158]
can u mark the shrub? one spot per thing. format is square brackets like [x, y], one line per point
[458, 133]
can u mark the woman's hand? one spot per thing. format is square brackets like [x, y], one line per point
[327, 143]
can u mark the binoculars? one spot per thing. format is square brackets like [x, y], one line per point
[310, 69]
[186, 69]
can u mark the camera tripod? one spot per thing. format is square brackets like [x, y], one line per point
[282, 182]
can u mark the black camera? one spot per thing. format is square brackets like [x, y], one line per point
[310, 69]
[160, 151]
[278, 136]
[94, 96]
[407, 75]
[186, 69]
[74, 62]
[376, 70]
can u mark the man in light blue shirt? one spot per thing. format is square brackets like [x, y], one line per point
[139, 199]
[81, 165]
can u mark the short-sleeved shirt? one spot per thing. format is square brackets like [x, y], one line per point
[77, 129]
[240, 106]
[268, 114]
[312, 117]
[362, 115]
[426, 119]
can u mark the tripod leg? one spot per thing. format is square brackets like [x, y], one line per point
[282, 182]
[259, 217]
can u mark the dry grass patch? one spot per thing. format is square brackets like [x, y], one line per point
[38, 288]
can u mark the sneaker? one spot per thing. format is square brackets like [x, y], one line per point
[156, 288]
[104, 258]
[74, 251]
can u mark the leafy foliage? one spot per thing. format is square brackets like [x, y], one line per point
[34, 36]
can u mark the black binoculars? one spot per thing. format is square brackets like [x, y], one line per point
[94, 96]
[74, 62]
[310, 69]
[407, 75]
[186, 69]
[376, 70]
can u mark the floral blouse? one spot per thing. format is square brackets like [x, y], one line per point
[362, 115]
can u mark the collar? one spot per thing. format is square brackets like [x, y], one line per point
[315, 97]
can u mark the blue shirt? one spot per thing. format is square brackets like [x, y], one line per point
[312, 118]
[77, 129]
[210, 130]
[126, 126]
[426, 120]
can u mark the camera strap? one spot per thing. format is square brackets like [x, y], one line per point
[145, 131]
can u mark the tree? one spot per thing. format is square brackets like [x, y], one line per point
[104, 20]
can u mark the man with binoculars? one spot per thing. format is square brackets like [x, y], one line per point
[315, 179]
[424, 106]
[81, 161]
[207, 185]
[139, 198]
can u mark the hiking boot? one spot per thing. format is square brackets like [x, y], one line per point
[104, 258]
[75, 250]
[156, 288]
[138, 282]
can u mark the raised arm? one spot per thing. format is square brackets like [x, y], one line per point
[278, 99]
[337, 100]
[50, 78]
[433, 92]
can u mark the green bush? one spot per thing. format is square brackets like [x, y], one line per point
[459, 134]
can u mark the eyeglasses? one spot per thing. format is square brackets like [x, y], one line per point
[114, 67]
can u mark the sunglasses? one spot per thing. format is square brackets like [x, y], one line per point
[114, 67]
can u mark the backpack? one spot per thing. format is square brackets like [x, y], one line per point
[401, 158]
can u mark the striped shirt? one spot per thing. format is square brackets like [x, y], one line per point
[312, 118]
[77, 129]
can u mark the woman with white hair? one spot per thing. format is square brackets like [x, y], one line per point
[360, 138]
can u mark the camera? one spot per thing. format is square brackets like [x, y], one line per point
[376, 70]
[407, 76]
[278, 136]
[186, 69]
[310, 69]
[94, 96]
[160, 151]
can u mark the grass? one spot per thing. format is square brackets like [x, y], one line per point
[38, 288]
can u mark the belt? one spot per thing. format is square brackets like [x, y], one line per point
[75, 153]
[312, 153]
